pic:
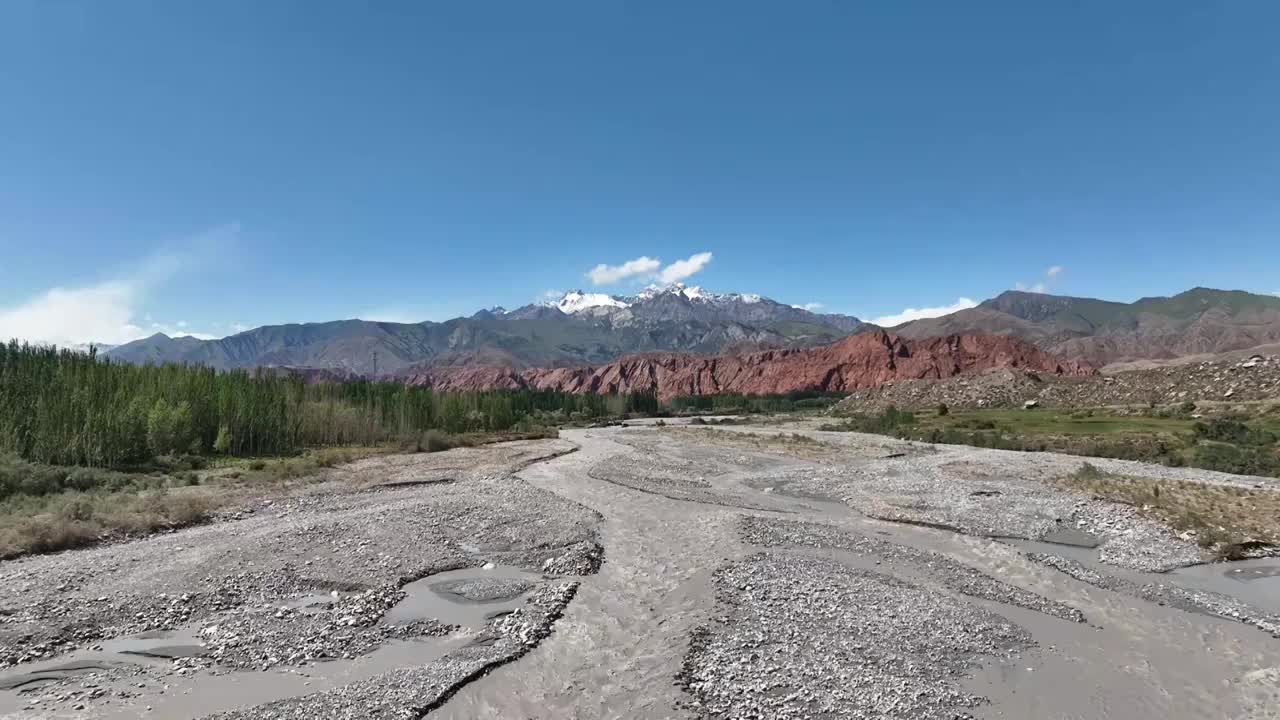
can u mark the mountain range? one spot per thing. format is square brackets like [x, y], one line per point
[866, 359]
[1100, 332]
[577, 329]
[591, 329]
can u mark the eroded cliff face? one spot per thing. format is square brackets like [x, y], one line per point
[858, 361]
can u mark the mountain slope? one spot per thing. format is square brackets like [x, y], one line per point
[1201, 320]
[864, 360]
[599, 328]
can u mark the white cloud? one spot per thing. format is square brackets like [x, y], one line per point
[68, 316]
[103, 313]
[920, 313]
[811, 307]
[681, 269]
[551, 295]
[642, 266]
[1041, 286]
[109, 311]
[647, 268]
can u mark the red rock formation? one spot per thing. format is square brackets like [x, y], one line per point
[858, 361]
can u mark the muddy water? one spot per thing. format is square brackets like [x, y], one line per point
[1256, 582]
[183, 697]
[617, 650]
[432, 599]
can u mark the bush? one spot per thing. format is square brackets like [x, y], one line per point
[1232, 431]
[222, 444]
[1088, 471]
[169, 428]
[436, 441]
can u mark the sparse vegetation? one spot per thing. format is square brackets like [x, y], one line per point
[1249, 446]
[890, 422]
[1223, 517]
[737, 403]
[786, 443]
[45, 508]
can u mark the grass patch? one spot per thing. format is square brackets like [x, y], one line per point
[786, 443]
[1241, 445]
[71, 519]
[48, 508]
[1226, 518]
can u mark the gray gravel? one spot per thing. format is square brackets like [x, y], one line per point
[413, 691]
[1210, 603]
[485, 589]
[676, 479]
[992, 493]
[333, 539]
[932, 567]
[335, 592]
[264, 637]
[300, 579]
[805, 637]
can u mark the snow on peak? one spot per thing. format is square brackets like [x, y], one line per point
[696, 294]
[693, 292]
[577, 301]
[689, 292]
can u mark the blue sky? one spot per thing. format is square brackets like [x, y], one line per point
[206, 166]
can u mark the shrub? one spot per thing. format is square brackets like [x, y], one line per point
[169, 428]
[436, 441]
[1088, 471]
[222, 444]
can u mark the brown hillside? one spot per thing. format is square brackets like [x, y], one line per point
[858, 361]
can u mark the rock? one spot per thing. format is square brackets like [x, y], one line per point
[864, 360]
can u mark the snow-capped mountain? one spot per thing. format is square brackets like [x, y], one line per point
[576, 328]
[576, 301]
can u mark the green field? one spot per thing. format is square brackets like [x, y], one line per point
[1053, 422]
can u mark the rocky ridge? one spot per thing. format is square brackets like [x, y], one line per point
[858, 361]
[1198, 321]
[1254, 379]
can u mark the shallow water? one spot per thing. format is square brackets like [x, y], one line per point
[155, 647]
[1256, 582]
[1071, 536]
[430, 598]
[199, 694]
[1085, 554]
